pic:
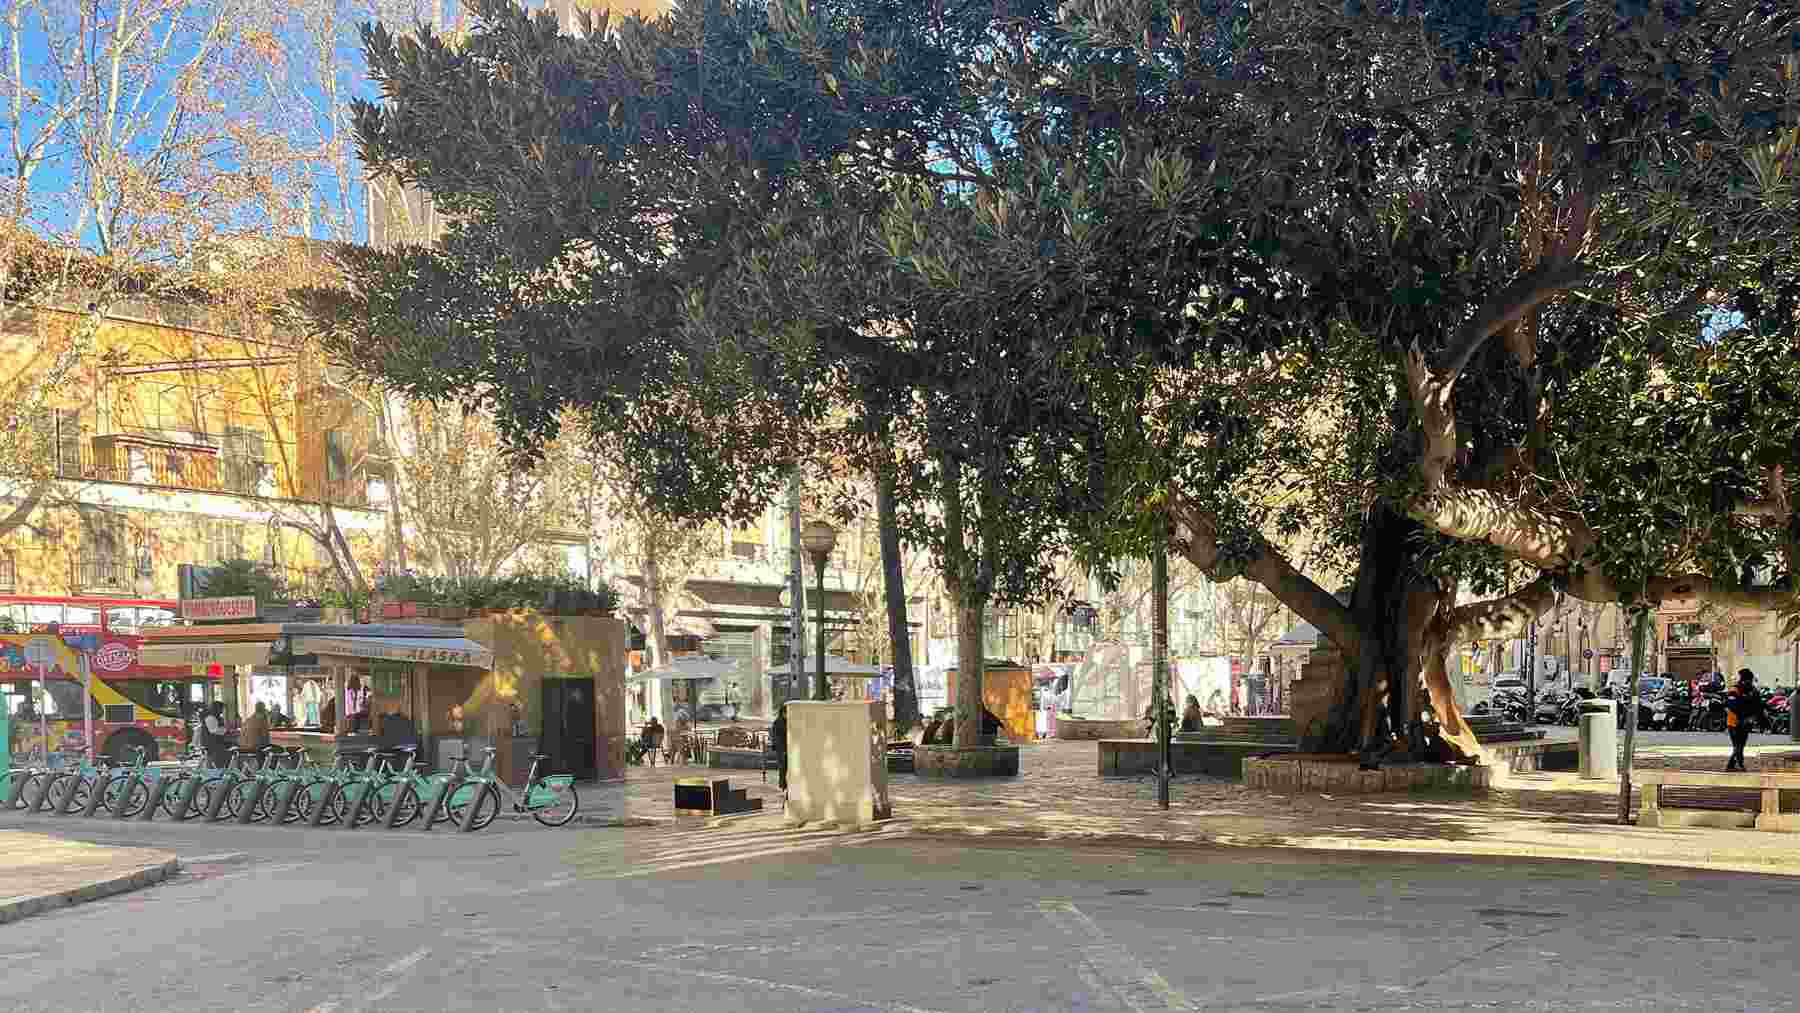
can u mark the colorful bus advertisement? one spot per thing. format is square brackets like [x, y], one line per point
[130, 706]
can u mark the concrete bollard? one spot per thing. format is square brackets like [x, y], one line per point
[96, 795]
[327, 795]
[216, 804]
[132, 780]
[67, 805]
[184, 796]
[247, 812]
[159, 786]
[394, 806]
[285, 793]
[440, 799]
[472, 808]
[1599, 741]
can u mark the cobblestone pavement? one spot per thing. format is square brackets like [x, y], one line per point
[1060, 795]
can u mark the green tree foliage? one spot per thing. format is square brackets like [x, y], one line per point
[1423, 280]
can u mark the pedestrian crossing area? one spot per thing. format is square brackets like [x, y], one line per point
[663, 851]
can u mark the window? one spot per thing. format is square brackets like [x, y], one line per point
[224, 540]
[9, 571]
[102, 564]
[61, 432]
[337, 456]
[162, 696]
[242, 456]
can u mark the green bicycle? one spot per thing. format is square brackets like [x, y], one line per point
[551, 800]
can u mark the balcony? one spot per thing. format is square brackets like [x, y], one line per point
[192, 461]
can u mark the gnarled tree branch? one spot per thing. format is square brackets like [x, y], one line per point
[1197, 540]
[1529, 290]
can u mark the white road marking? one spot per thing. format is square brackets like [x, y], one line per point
[1141, 989]
[394, 971]
[224, 856]
[776, 986]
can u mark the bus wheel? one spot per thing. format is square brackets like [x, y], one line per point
[123, 745]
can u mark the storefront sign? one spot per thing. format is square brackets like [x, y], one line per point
[177, 655]
[449, 651]
[235, 607]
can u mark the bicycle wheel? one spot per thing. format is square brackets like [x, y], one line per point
[59, 789]
[297, 809]
[487, 807]
[122, 804]
[203, 795]
[32, 791]
[316, 795]
[240, 797]
[560, 811]
[341, 807]
[178, 784]
[408, 802]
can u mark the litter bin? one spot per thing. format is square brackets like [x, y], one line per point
[1599, 734]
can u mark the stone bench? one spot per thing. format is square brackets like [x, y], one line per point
[1081, 729]
[1525, 756]
[1735, 799]
[734, 758]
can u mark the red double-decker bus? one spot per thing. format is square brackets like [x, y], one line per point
[132, 705]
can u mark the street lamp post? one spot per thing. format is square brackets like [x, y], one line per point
[820, 538]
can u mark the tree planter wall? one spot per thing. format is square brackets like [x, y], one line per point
[980, 761]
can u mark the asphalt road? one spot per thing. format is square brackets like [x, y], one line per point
[522, 918]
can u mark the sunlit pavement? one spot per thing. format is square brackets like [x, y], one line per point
[523, 918]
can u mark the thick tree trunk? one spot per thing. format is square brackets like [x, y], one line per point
[968, 673]
[906, 693]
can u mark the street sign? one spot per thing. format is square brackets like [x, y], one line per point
[40, 651]
[1588, 654]
[235, 607]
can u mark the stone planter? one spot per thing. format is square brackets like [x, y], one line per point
[980, 761]
[1080, 729]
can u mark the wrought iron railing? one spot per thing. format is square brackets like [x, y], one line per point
[102, 571]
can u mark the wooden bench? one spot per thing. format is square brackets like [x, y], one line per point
[700, 796]
[1724, 807]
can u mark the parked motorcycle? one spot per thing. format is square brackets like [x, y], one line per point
[1550, 708]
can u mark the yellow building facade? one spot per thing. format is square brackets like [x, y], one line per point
[178, 437]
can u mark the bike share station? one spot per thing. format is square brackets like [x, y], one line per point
[373, 768]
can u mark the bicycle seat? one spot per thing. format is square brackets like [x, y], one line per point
[540, 756]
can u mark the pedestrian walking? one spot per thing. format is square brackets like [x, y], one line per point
[1742, 706]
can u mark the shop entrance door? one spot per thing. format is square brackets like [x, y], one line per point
[569, 726]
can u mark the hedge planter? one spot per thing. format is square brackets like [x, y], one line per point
[978, 761]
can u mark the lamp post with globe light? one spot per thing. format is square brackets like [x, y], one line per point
[820, 538]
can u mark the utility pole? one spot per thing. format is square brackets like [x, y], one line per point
[1531, 674]
[797, 591]
[1640, 632]
[1159, 666]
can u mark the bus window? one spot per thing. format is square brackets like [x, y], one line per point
[80, 615]
[122, 618]
[161, 696]
[43, 614]
[153, 616]
[66, 697]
